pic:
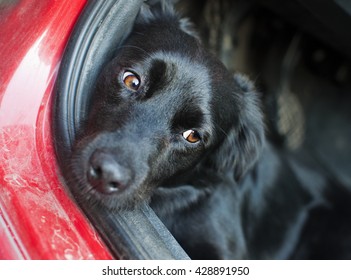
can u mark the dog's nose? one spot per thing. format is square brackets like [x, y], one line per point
[106, 175]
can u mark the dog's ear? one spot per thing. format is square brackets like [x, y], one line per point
[243, 144]
[153, 9]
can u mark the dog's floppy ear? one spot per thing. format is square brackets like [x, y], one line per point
[243, 144]
[153, 9]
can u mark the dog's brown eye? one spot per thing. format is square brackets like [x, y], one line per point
[191, 136]
[131, 80]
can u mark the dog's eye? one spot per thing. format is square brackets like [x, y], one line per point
[191, 136]
[131, 80]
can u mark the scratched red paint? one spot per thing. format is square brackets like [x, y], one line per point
[38, 220]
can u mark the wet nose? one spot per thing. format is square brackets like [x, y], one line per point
[106, 175]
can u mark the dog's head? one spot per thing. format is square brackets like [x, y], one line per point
[162, 107]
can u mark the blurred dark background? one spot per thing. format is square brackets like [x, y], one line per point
[298, 52]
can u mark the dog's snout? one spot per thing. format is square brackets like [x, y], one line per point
[106, 175]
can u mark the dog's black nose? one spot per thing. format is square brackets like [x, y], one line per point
[105, 174]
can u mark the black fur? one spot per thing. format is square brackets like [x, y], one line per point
[229, 195]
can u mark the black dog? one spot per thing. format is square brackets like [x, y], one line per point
[170, 125]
